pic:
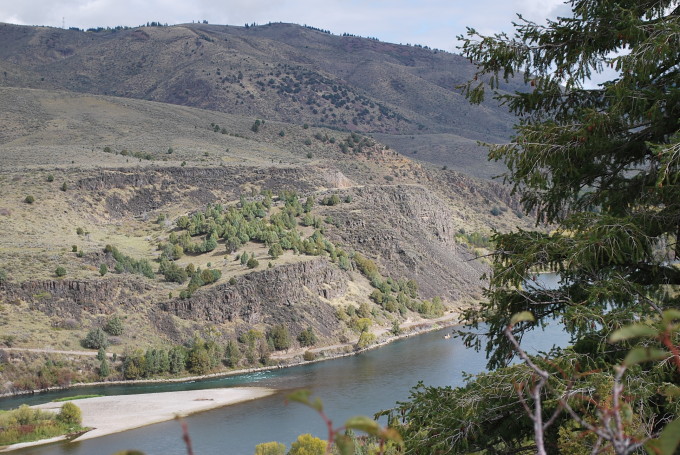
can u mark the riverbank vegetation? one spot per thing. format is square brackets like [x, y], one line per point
[26, 424]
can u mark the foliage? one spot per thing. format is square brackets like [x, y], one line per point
[602, 166]
[70, 414]
[25, 424]
[366, 339]
[95, 339]
[306, 444]
[103, 269]
[114, 326]
[280, 337]
[29, 199]
[270, 448]
[128, 264]
[307, 337]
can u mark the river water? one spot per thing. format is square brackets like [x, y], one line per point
[357, 385]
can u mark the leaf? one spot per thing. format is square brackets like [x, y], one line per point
[633, 331]
[363, 423]
[667, 441]
[390, 434]
[303, 396]
[522, 316]
[639, 355]
[669, 316]
[670, 390]
[344, 444]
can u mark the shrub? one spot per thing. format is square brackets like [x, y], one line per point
[60, 271]
[308, 356]
[64, 186]
[307, 337]
[103, 269]
[308, 141]
[270, 448]
[3, 276]
[50, 178]
[74, 248]
[280, 337]
[29, 199]
[114, 326]
[496, 211]
[252, 263]
[282, 133]
[306, 444]
[70, 414]
[365, 340]
[95, 339]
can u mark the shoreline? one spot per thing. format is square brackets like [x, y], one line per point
[117, 413]
[326, 353]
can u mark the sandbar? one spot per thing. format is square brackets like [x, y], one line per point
[112, 414]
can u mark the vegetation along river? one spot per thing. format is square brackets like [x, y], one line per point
[355, 385]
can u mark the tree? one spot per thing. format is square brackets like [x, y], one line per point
[270, 448]
[104, 369]
[70, 414]
[307, 337]
[232, 354]
[602, 166]
[95, 339]
[103, 269]
[280, 337]
[306, 444]
[114, 326]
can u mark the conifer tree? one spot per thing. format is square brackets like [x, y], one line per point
[602, 166]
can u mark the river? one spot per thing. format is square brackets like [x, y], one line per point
[356, 385]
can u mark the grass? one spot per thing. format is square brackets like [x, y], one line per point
[76, 397]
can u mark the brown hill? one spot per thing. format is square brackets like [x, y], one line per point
[281, 72]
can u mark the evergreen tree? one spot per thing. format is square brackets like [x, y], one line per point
[602, 166]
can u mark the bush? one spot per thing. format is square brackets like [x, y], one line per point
[114, 326]
[365, 340]
[252, 263]
[95, 339]
[50, 178]
[60, 271]
[307, 337]
[306, 444]
[70, 414]
[308, 356]
[270, 448]
[64, 186]
[103, 269]
[29, 199]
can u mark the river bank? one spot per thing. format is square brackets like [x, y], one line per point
[287, 359]
[116, 413]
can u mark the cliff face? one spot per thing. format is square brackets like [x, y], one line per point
[70, 298]
[155, 188]
[295, 295]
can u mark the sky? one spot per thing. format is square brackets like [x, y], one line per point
[433, 23]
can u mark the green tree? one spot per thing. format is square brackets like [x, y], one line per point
[95, 339]
[104, 369]
[280, 337]
[70, 414]
[306, 444]
[114, 326]
[232, 354]
[270, 448]
[601, 165]
[275, 250]
[103, 269]
[307, 337]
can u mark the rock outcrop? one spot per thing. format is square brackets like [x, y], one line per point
[295, 295]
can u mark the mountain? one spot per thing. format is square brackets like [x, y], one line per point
[405, 94]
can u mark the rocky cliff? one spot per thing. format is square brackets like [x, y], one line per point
[296, 295]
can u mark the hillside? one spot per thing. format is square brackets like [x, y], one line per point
[125, 183]
[278, 72]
